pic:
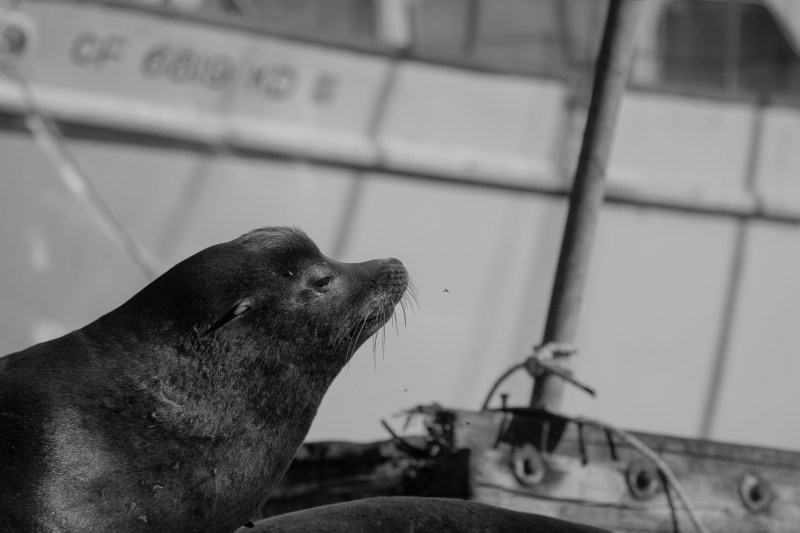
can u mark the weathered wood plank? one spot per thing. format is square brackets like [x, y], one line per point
[597, 492]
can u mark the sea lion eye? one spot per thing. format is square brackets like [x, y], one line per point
[322, 283]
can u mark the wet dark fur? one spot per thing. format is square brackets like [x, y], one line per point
[174, 413]
[414, 515]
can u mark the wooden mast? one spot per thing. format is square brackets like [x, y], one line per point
[610, 76]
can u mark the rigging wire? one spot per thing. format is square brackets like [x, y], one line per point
[51, 141]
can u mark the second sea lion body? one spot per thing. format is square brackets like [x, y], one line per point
[408, 514]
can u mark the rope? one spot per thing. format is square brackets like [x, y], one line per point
[538, 363]
[662, 466]
[499, 381]
[51, 142]
[672, 511]
[543, 360]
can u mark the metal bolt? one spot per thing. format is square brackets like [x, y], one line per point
[642, 478]
[528, 465]
[756, 493]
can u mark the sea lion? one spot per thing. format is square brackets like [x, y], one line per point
[181, 409]
[405, 514]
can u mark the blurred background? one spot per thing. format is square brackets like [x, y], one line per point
[443, 133]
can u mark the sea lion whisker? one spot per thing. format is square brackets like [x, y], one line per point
[411, 292]
[403, 307]
[360, 331]
[354, 340]
[353, 345]
[384, 319]
[394, 323]
[349, 347]
[411, 306]
[410, 297]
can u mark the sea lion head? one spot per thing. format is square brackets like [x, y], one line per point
[306, 297]
[271, 294]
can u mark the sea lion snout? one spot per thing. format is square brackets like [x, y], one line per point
[386, 273]
[388, 279]
[380, 285]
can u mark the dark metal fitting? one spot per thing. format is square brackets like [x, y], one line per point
[528, 465]
[756, 493]
[643, 479]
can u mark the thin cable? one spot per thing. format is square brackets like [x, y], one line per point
[537, 364]
[663, 467]
[498, 382]
[672, 511]
[51, 141]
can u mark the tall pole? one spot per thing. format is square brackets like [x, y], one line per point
[610, 76]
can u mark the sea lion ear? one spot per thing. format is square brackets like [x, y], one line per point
[244, 305]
